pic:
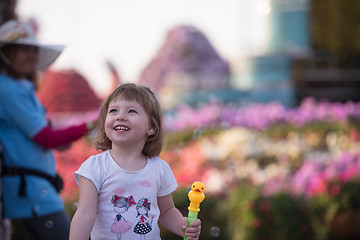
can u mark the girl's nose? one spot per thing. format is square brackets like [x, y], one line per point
[121, 116]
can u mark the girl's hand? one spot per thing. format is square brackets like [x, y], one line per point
[192, 232]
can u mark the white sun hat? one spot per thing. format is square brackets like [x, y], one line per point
[19, 32]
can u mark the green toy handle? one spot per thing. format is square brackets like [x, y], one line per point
[192, 216]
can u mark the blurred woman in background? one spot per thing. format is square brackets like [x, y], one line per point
[30, 183]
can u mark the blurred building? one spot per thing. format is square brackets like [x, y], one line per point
[188, 69]
[269, 75]
[294, 66]
[291, 66]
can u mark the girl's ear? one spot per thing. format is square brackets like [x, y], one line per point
[150, 132]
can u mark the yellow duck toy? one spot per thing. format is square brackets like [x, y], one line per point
[196, 196]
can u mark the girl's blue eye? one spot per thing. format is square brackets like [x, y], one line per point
[132, 111]
[112, 111]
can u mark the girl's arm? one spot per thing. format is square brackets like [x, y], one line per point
[84, 218]
[172, 219]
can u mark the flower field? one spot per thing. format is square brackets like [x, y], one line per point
[269, 172]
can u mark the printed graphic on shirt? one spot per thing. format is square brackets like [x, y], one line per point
[144, 225]
[145, 183]
[121, 204]
[119, 191]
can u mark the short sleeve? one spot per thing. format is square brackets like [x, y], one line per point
[92, 170]
[168, 181]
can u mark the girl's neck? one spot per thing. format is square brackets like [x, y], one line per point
[128, 160]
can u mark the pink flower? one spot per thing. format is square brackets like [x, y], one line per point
[317, 185]
[349, 173]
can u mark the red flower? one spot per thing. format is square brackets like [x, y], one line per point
[303, 229]
[334, 190]
[256, 223]
[264, 206]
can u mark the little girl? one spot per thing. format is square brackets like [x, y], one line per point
[130, 132]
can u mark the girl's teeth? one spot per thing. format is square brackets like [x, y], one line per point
[121, 128]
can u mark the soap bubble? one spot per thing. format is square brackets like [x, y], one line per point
[214, 231]
[224, 125]
[74, 206]
[197, 133]
[49, 224]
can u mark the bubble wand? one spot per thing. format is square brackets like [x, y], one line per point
[196, 196]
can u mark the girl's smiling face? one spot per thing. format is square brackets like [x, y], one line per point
[127, 123]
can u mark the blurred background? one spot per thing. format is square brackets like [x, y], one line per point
[260, 98]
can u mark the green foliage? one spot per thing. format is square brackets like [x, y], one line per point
[182, 138]
[332, 214]
[238, 208]
[281, 130]
[253, 216]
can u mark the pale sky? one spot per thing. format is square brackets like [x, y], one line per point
[130, 32]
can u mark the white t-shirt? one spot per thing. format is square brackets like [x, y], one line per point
[127, 201]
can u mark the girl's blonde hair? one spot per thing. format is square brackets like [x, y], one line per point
[146, 98]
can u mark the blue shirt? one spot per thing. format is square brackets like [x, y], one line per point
[21, 118]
